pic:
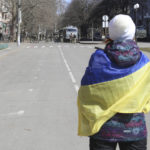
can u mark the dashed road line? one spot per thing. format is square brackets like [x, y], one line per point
[68, 68]
[19, 113]
[76, 87]
[72, 77]
[51, 46]
[43, 46]
[69, 71]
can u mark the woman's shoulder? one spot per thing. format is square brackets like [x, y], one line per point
[99, 57]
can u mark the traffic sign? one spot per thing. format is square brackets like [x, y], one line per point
[105, 24]
[105, 18]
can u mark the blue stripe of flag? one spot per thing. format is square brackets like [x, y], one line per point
[101, 69]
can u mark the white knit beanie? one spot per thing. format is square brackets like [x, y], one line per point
[121, 27]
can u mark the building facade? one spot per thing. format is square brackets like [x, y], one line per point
[5, 18]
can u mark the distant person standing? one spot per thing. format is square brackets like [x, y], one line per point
[71, 38]
[114, 92]
[74, 38]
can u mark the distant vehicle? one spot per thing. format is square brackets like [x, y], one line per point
[68, 32]
[141, 32]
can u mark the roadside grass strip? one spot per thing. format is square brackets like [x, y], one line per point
[3, 46]
[146, 49]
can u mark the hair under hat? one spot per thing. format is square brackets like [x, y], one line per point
[121, 27]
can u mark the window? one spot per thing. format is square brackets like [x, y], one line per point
[71, 30]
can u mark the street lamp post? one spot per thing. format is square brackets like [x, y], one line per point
[19, 22]
[147, 18]
[136, 6]
[92, 32]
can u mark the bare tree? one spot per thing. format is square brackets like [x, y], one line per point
[61, 7]
[11, 6]
[39, 14]
[113, 7]
[77, 15]
[35, 13]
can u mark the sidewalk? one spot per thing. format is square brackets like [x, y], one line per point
[144, 44]
[141, 44]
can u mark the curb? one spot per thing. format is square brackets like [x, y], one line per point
[90, 42]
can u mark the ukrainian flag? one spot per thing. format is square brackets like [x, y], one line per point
[107, 89]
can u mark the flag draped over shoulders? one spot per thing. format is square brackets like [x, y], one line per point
[107, 89]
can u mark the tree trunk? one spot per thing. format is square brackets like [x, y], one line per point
[84, 31]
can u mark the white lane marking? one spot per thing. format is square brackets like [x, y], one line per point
[19, 113]
[76, 87]
[69, 71]
[30, 90]
[68, 68]
[51, 46]
[35, 46]
[65, 61]
[72, 77]
[43, 46]
[28, 46]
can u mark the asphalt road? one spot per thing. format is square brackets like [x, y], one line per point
[38, 91]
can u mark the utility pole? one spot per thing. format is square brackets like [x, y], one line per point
[136, 6]
[19, 22]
